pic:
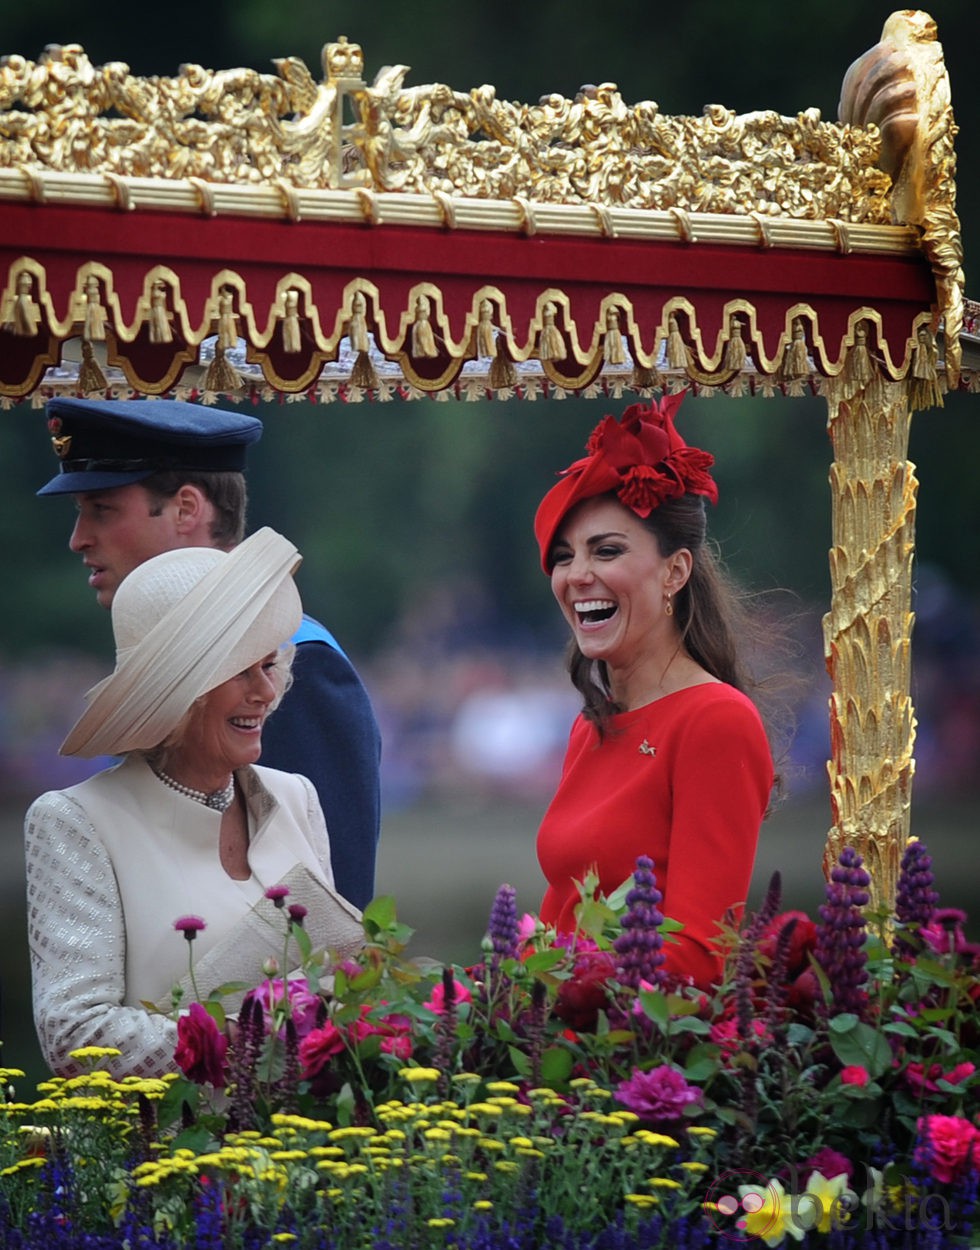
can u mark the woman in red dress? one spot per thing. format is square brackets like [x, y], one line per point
[669, 757]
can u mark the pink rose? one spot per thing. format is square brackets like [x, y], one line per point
[801, 943]
[724, 1033]
[318, 1048]
[201, 1048]
[399, 1045]
[303, 1005]
[660, 1094]
[437, 1000]
[922, 1079]
[582, 997]
[527, 927]
[854, 1074]
[948, 1146]
[829, 1163]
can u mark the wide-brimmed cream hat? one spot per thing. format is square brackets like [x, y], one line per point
[184, 622]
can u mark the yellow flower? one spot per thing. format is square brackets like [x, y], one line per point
[702, 1130]
[769, 1213]
[482, 1204]
[663, 1182]
[302, 1122]
[94, 1052]
[825, 1203]
[420, 1074]
[650, 1138]
[503, 1087]
[441, 1222]
[352, 1131]
[642, 1200]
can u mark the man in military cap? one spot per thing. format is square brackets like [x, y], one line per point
[151, 475]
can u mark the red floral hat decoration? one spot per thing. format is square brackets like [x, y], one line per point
[640, 457]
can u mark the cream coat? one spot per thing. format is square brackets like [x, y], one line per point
[114, 861]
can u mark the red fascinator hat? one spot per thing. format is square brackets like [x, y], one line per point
[639, 457]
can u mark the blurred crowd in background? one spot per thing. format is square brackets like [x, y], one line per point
[467, 704]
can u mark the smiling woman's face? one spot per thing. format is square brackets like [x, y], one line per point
[611, 581]
[224, 731]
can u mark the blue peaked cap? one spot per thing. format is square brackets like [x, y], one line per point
[105, 443]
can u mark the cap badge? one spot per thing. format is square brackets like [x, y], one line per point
[61, 445]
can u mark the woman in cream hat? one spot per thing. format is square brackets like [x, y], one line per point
[669, 758]
[187, 823]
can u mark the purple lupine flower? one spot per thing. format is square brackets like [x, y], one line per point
[915, 899]
[778, 985]
[841, 934]
[503, 927]
[639, 947]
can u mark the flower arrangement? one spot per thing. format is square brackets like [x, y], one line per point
[561, 1092]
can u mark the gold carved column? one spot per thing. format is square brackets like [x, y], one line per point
[867, 632]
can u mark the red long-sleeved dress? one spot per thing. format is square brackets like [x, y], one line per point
[685, 780]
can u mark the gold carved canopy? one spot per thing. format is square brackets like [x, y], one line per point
[242, 234]
[237, 231]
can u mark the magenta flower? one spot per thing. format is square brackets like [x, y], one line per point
[854, 1074]
[318, 1048]
[297, 912]
[829, 1163]
[922, 1078]
[399, 1045]
[303, 1004]
[190, 926]
[948, 1146]
[437, 1000]
[660, 1094]
[277, 894]
[201, 1048]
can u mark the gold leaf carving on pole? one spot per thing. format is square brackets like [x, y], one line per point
[867, 633]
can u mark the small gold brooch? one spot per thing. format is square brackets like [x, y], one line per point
[646, 748]
[61, 446]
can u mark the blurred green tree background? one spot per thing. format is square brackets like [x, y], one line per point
[388, 501]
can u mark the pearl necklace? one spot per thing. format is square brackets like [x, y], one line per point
[217, 800]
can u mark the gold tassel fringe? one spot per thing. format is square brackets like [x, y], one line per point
[796, 363]
[90, 376]
[551, 345]
[735, 354]
[21, 314]
[95, 314]
[222, 374]
[858, 366]
[357, 330]
[227, 322]
[363, 373]
[486, 340]
[160, 315]
[502, 374]
[423, 340]
[292, 340]
[612, 346]
[677, 354]
[924, 388]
